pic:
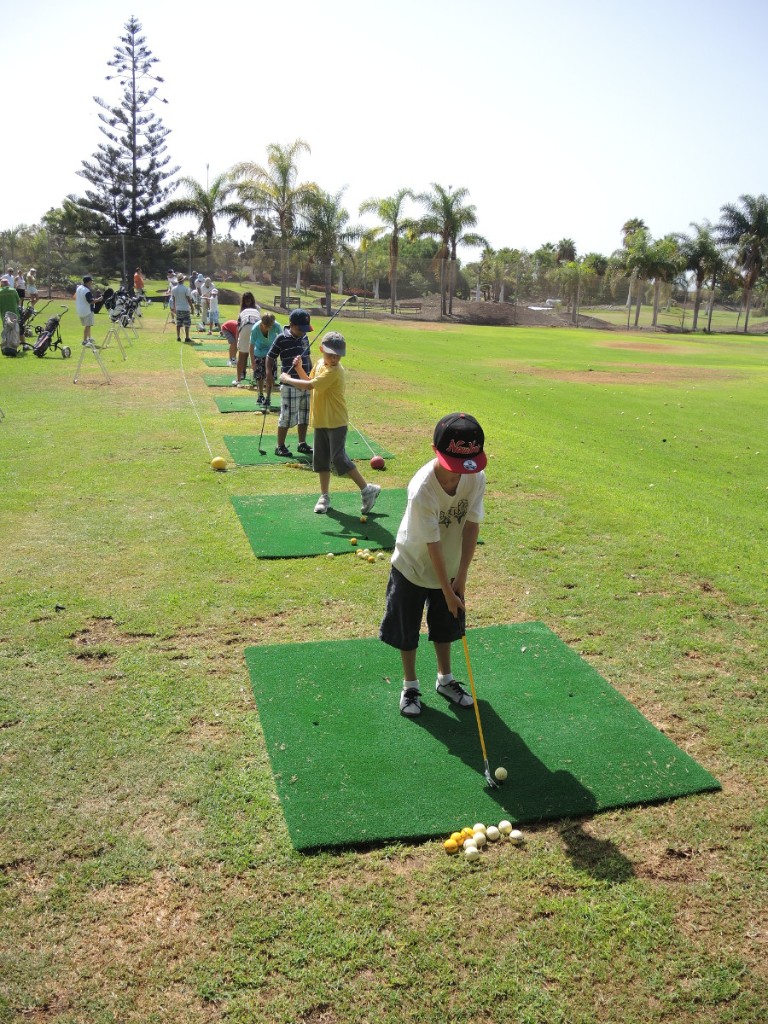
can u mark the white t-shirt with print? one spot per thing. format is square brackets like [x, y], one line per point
[433, 515]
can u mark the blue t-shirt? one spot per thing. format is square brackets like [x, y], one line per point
[262, 345]
[285, 348]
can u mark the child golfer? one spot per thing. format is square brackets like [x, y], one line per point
[329, 420]
[435, 544]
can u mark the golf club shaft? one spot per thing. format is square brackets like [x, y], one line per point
[331, 319]
[474, 697]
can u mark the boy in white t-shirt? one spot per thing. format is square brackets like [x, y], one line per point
[435, 544]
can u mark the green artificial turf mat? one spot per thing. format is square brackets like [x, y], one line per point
[210, 346]
[220, 380]
[287, 526]
[217, 361]
[351, 770]
[244, 448]
[241, 403]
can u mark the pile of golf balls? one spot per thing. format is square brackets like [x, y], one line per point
[472, 840]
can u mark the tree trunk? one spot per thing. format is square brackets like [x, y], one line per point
[696, 304]
[656, 295]
[209, 253]
[340, 281]
[747, 300]
[284, 258]
[376, 288]
[328, 287]
[711, 307]
[442, 286]
[638, 300]
[393, 258]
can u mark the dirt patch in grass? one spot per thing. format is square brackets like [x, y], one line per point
[644, 346]
[630, 373]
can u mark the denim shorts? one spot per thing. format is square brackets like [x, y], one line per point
[405, 608]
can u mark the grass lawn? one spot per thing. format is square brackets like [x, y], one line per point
[146, 873]
[677, 316]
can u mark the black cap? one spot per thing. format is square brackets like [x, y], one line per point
[300, 317]
[458, 443]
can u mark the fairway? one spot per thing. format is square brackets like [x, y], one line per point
[147, 869]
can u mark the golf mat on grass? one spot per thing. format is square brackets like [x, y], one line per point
[244, 449]
[240, 402]
[216, 361]
[210, 346]
[350, 769]
[287, 526]
[220, 380]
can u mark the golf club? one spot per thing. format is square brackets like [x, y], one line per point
[486, 769]
[264, 412]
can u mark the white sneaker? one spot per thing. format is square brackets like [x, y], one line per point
[410, 702]
[455, 692]
[322, 503]
[368, 495]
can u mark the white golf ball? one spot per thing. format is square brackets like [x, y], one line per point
[492, 833]
[505, 827]
[329, 555]
[516, 836]
[469, 843]
[471, 852]
[501, 774]
[480, 839]
[479, 827]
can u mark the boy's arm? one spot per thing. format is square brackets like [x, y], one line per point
[469, 536]
[449, 589]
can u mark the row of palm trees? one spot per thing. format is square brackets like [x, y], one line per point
[737, 244]
[302, 214]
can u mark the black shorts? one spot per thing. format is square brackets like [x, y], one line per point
[405, 607]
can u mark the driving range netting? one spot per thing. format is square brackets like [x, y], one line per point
[350, 770]
[287, 526]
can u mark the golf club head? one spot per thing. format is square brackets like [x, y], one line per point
[493, 784]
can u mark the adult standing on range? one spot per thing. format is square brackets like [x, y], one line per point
[181, 306]
[84, 300]
[294, 404]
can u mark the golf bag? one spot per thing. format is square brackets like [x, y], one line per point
[50, 337]
[11, 342]
[26, 315]
[107, 299]
[122, 306]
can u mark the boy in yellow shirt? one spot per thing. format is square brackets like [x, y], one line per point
[329, 420]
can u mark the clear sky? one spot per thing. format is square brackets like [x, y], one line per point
[562, 118]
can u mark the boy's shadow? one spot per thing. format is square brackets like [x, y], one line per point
[372, 530]
[532, 791]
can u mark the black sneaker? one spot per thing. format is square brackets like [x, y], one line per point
[304, 448]
[283, 452]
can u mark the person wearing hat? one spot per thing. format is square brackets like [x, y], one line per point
[294, 402]
[330, 421]
[32, 286]
[435, 545]
[84, 302]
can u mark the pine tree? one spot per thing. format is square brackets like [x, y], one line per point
[129, 173]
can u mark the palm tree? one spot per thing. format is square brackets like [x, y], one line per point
[746, 228]
[664, 263]
[325, 233]
[389, 210]
[208, 205]
[447, 219]
[629, 227]
[274, 190]
[635, 262]
[566, 251]
[702, 257]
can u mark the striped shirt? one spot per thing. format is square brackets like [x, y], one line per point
[285, 348]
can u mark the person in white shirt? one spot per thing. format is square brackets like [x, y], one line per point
[435, 544]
